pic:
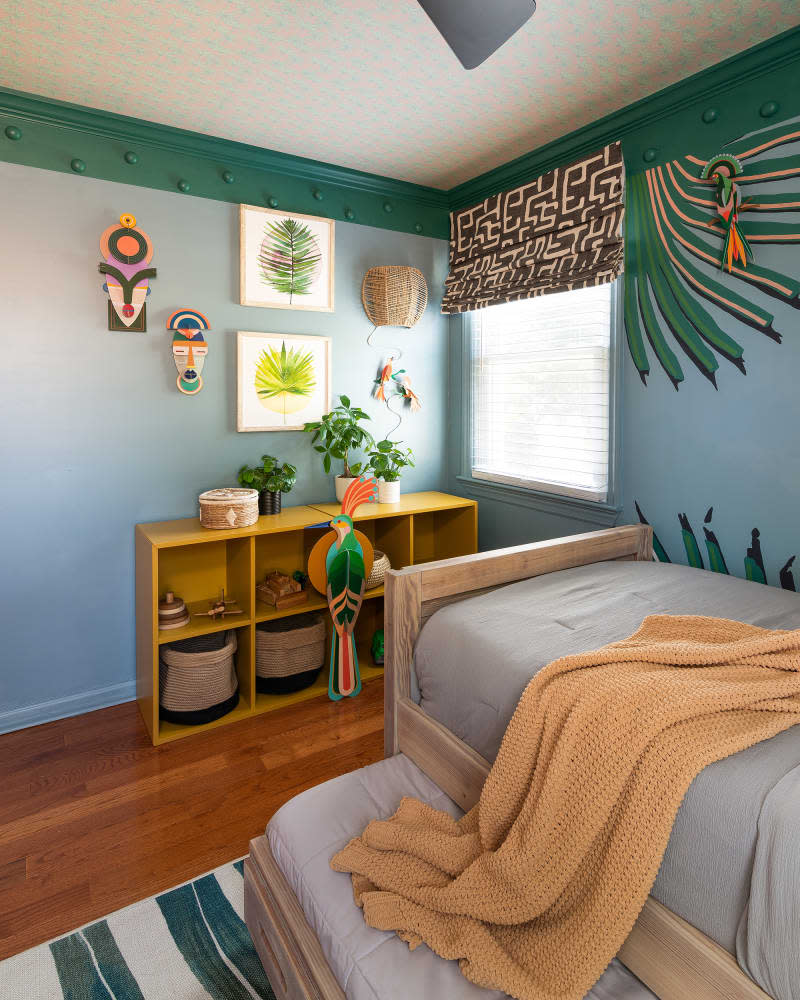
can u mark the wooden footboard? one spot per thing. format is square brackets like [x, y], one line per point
[674, 959]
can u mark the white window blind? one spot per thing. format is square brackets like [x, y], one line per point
[540, 391]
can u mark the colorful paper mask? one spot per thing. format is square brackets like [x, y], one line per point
[127, 251]
[189, 348]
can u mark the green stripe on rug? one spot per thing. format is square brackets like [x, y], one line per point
[76, 970]
[232, 934]
[189, 932]
[189, 943]
[113, 967]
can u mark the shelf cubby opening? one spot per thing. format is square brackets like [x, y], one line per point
[244, 664]
[442, 534]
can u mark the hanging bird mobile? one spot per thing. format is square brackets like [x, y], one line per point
[338, 566]
[723, 169]
[401, 383]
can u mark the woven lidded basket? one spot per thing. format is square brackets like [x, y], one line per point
[378, 572]
[395, 295]
[229, 507]
[197, 678]
[289, 652]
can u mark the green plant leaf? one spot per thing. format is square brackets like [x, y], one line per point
[326, 463]
[290, 257]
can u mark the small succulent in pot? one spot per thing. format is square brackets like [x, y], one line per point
[272, 479]
[387, 461]
[336, 436]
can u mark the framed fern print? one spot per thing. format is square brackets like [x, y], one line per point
[284, 380]
[286, 260]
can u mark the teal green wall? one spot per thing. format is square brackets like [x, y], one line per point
[96, 436]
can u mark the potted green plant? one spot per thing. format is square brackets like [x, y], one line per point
[272, 479]
[336, 436]
[387, 461]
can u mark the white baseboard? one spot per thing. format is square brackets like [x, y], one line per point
[63, 708]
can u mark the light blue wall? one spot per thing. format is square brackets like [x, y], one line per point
[95, 436]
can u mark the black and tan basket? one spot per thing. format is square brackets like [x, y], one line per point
[197, 679]
[229, 507]
[289, 653]
[379, 567]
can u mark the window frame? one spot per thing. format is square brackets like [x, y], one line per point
[597, 512]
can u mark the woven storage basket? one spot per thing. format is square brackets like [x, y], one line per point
[229, 507]
[379, 567]
[394, 296]
[197, 678]
[289, 653]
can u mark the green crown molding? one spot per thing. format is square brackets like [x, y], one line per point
[697, 115]
[41, 132]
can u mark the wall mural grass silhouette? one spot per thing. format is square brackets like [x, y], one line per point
[673, 221]
[753, 559]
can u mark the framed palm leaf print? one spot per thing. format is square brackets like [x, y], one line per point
[286, 260]
[284, 380]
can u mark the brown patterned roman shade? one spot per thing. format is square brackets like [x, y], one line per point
[560, 231]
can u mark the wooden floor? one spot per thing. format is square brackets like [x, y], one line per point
[92, 817]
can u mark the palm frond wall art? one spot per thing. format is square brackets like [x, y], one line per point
[284, 379]
[290, 257]
[286, 259]
[753, 564]
[675, 222]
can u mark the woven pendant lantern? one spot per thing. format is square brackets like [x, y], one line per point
[395, 295]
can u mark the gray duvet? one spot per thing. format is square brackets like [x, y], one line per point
[732, 866]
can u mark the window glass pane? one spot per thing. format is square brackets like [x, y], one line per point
[540, 391]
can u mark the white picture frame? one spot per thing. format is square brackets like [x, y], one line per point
[256, 356]
[265, 262]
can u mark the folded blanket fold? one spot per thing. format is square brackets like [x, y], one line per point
[535, 889]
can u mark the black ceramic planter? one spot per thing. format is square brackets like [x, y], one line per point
[269, 502]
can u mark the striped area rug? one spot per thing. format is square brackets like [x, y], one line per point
[189, 943]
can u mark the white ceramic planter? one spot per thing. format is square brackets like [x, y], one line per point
[342, 483]
[388, 492]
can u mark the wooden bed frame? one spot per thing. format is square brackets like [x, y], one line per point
[674, 959]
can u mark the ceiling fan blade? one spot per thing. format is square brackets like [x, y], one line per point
[474, 29]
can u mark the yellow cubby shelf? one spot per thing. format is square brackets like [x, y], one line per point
[196, 563]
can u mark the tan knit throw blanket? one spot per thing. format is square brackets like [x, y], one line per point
[536, 888]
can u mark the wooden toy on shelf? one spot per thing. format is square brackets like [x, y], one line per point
[281, 590]
[220, 608]
[172, 612]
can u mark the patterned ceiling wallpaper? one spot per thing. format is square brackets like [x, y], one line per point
[369, 84]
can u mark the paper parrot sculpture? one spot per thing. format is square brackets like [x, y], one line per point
[348, 556]
[723, 168]
[126, 253]
[383, 380]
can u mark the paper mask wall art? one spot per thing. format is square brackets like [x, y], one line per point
[189, 348]
[126, 251]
